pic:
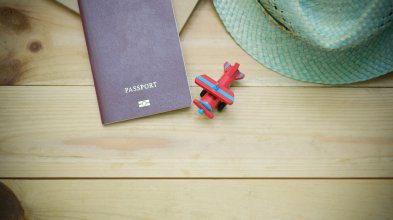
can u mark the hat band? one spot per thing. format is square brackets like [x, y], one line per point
[271, 18]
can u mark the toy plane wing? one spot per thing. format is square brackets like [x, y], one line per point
[212, 87]
[203, 108]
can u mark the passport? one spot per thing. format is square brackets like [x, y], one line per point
[135, 56]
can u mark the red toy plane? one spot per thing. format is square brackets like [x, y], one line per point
[217, 94]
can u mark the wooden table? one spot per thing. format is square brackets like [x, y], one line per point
[286, 149]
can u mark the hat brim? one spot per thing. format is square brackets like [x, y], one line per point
[300, 60]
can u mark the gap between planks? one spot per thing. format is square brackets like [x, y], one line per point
[197, 178]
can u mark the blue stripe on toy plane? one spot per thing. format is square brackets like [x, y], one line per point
[219, 90]
[206, 105]
[226, 65]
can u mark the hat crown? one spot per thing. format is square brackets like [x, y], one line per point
[333, 24]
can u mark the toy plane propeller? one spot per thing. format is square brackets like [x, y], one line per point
[216, 94]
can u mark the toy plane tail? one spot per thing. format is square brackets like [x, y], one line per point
[235, 68]
[240, 76]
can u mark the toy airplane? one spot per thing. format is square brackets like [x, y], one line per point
[217, 94]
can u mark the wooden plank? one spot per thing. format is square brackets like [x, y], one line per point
[205, 199]
[55, 131]
[48, 48]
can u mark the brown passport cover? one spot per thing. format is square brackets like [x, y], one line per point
[136, 59]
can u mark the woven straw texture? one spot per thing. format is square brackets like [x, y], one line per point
[333, 54]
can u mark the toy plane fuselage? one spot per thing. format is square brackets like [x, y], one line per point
[217, 93]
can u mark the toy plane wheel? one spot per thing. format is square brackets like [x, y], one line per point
[221, 106]
[203, 93]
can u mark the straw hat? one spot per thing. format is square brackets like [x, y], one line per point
[321, 41]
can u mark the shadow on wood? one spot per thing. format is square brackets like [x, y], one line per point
[10, 207]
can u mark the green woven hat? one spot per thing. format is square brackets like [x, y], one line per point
[321, 41]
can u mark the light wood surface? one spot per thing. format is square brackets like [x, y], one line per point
[55, 131]
[179, 165]
[205, 199]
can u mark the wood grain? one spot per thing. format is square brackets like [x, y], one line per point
[205, 199]
[63, 59]
[52, 131]
[277, 128]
